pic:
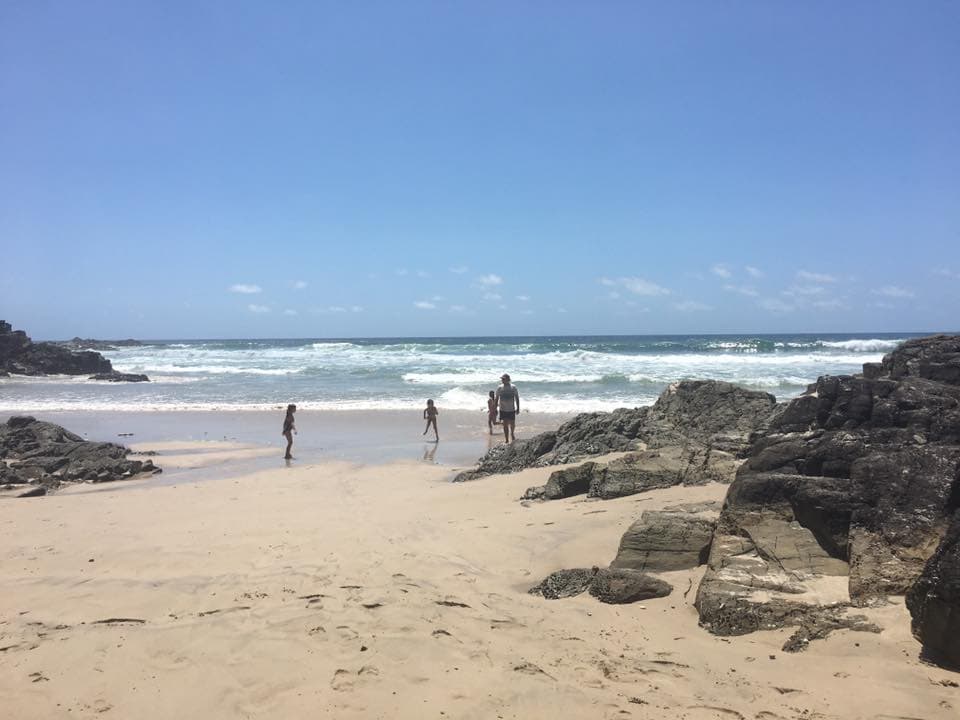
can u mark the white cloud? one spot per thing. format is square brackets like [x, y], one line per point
[437, 298]
[947, 272]
[457, 309]
[893, 291]
[741, 290]
[459, 269]
[636, 285]
[753, 272]
[523, 298]
[329, 310]
[492, 297]
[832, 304]
[691, 306]
[613, 295]
[722, 271]
[804, 290]
[776, 305]
[423, 273]
[245, 289]
[490, 280]
[526, 312]
[561, 310]
[299, 284]
[816, 277]
[258, 308]
[424, 305]
[288, 311]
[401, 271]
[883, 305]
[356, 308]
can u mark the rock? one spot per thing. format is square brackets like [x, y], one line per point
[114, 376]
[47, 454]
[689, 464]
[855, 480]
[569, 481]
[665, 541]
[934, 600]
[715, 416]
[620, 586]
[21, 356]
[78, 343]
[608, 586]
[564, 583]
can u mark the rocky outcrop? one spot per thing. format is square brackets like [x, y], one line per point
[664, 541]
[114, 376]
[79, 343]
[687, 464]
[843, 497]
[614, 586]
[21, 356]
[709, 415]
[45, 455]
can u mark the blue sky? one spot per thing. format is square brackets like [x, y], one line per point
[309, 169]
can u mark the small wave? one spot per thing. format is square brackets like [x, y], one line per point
[209, 369]
[874, 345]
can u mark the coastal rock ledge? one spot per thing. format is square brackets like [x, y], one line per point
[44, 455]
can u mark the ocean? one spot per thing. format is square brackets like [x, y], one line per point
[554, 374]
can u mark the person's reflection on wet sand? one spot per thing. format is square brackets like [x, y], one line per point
[429, 452]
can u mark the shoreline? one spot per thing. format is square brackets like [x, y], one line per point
[359, 436]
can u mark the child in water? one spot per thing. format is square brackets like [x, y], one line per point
[289, 429]
[430, 415]
[492, 411]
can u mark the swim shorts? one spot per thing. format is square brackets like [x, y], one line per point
[504, 416]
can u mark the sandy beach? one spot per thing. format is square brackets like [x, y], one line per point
[382, 590]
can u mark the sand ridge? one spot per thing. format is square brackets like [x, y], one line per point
[348, 591]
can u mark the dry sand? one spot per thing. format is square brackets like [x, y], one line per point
[384, 591]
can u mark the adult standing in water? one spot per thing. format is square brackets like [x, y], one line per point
[508, 400]
[289, 429]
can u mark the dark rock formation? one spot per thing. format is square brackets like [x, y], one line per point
[114, 376]
[709, 414]
[44, 454]
[934, 600]
[21, 356]
[608, 586]
[664, 541]
[854, 478]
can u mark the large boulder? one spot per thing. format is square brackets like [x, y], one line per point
[663, 541]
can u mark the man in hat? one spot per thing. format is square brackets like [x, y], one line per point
[508, 400]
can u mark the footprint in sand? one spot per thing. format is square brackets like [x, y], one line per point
[345, 680]
[712, 712]
[347, 633]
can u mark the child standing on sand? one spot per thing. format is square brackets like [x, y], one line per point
[289, 429]
[430, 415]
[492, 411]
